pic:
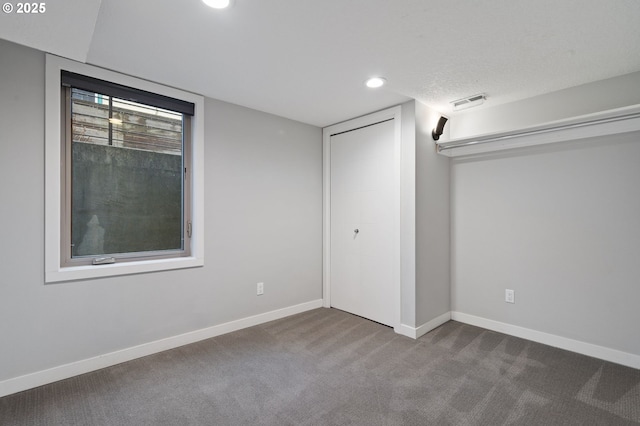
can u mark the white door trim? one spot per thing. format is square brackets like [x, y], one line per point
[387, 114]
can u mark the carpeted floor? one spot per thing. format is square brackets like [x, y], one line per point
[327, 367]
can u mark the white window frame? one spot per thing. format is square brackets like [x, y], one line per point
[54, 272]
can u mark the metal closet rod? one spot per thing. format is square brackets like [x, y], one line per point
[442, 146]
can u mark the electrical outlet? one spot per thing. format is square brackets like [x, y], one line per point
[509, 296]
[260, 289]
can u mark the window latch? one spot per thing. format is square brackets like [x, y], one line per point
[189, 229]
[103, 260]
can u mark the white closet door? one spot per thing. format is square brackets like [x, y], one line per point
[362, 222]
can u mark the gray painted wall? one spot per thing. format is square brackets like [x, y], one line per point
[561, 227]
[558, 224]
[588, 98]
[425, 207]
[432, 221]
[263, 189]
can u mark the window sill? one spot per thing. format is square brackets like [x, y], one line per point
[125, 268]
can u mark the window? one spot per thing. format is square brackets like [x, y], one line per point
[128, 175]
[125, 173]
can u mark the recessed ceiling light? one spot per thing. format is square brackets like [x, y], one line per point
[217, 4]
[375, 82]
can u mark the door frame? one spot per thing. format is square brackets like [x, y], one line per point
[356, 123]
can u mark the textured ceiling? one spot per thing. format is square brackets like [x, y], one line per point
[307, 60]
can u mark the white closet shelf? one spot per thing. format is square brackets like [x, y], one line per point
[610, 122]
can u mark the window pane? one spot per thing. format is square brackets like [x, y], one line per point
[126, 176]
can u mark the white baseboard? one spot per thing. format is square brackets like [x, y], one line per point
[589, 349]
[414, 332]
[39, 378]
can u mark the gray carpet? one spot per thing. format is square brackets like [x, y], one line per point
[327, 367]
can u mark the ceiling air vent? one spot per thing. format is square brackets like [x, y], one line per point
[468, 102]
